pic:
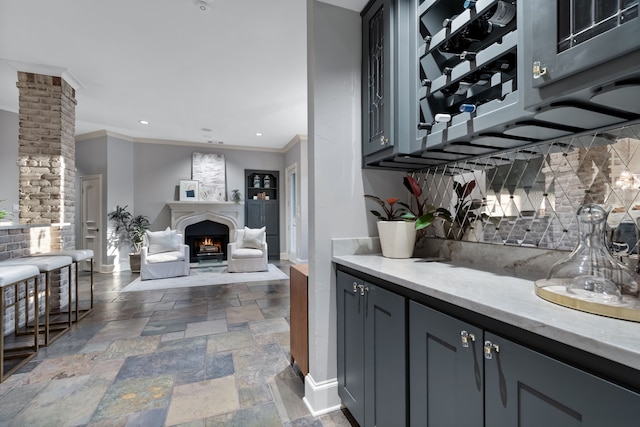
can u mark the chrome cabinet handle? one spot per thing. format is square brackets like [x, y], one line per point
[383, 140]
[489, 349]
[355, 287]
[465, 337]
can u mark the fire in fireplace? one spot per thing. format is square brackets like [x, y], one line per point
[207, 240]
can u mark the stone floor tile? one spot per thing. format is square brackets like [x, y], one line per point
[206, 328]
[172, 336]
[264, 415]
[120, 329]
[130, 347]
[135, 395]
[203, 399]
[245, 313]
[254, 395]
[185, 360]
[219, 365]
[19, 397]
[150, 418]
[57, 404]
[269, 326]
[230, 341]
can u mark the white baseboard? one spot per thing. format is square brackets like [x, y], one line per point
[321, 398]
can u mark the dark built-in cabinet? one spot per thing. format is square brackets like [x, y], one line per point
[459, 374]
[552, 69]
[372, 369]
[262, 205]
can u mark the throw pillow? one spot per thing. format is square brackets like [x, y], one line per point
[253, 237]
[162, 241]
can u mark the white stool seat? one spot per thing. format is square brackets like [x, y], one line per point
[45, 263]
[11, 274]
[75, 254]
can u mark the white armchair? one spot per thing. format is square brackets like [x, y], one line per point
[163, 255]
[248, 252]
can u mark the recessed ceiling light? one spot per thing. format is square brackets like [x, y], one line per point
[143, 122]
[205, 129]
[258, 134]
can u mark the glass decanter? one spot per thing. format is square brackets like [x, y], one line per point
[590, 272]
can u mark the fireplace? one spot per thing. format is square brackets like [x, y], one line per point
[207, 241]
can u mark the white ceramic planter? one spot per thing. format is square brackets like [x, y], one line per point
[397, 238]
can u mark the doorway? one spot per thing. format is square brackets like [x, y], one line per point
[91, 218]
[292, 208]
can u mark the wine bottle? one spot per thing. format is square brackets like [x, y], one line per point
[475, 32]
[499, 15]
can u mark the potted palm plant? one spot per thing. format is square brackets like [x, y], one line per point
[399, 222]
[129, 229]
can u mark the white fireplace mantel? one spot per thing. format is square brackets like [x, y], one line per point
[184, 214]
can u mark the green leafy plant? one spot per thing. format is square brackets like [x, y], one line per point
[129, 228]
[423, 214]
[236, 197]
[4, 213]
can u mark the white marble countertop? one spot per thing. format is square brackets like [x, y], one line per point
[509, 300]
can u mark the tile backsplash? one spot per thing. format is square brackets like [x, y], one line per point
[529, 197]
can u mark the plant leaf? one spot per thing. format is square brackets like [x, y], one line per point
[412, 185]
[424, 221]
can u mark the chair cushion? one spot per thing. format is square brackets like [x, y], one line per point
[11, 274]
[162, 241]
[244, 253]
[253, 238]
[165, 257]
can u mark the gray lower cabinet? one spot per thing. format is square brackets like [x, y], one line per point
[528, 389]
[463, 376]
[372, 345]
[445, 357]
[264, 213]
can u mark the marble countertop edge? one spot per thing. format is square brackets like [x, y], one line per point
[507, 299]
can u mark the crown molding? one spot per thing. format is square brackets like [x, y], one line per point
[47, 70]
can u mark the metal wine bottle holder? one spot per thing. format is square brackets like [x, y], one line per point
[590, 279]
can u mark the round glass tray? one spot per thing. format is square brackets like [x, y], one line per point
[556, 292]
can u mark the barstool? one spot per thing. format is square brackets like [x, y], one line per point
[15, 276]
[78, 255]
[47, 265]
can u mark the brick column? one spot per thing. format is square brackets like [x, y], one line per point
[47, 155]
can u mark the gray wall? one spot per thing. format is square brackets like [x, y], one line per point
[8, 156]
[337, 183]
[144, 177]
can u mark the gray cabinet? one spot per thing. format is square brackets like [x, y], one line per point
[464, 376]
[584, 56]
[526, 388]
[446, 383]
[372, 366]
[389, 83]
[262, 206]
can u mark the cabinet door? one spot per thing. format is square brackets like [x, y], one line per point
[385, 358]
[445, 371]
[377, 77]
[528, 389]
[255, 214]
[350, 346]
[272, 222]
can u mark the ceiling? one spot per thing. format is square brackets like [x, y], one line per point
[221, 75]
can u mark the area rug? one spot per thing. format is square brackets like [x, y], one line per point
[205, 277]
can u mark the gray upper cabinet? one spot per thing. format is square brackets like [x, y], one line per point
[581, 51]
[372, 365]
[389, 82]
[554, 68]
[263, 212]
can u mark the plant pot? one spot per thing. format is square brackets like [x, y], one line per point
[134, 263]
[397, 238]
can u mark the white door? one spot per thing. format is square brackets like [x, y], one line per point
[91, 217]
[291, 212]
